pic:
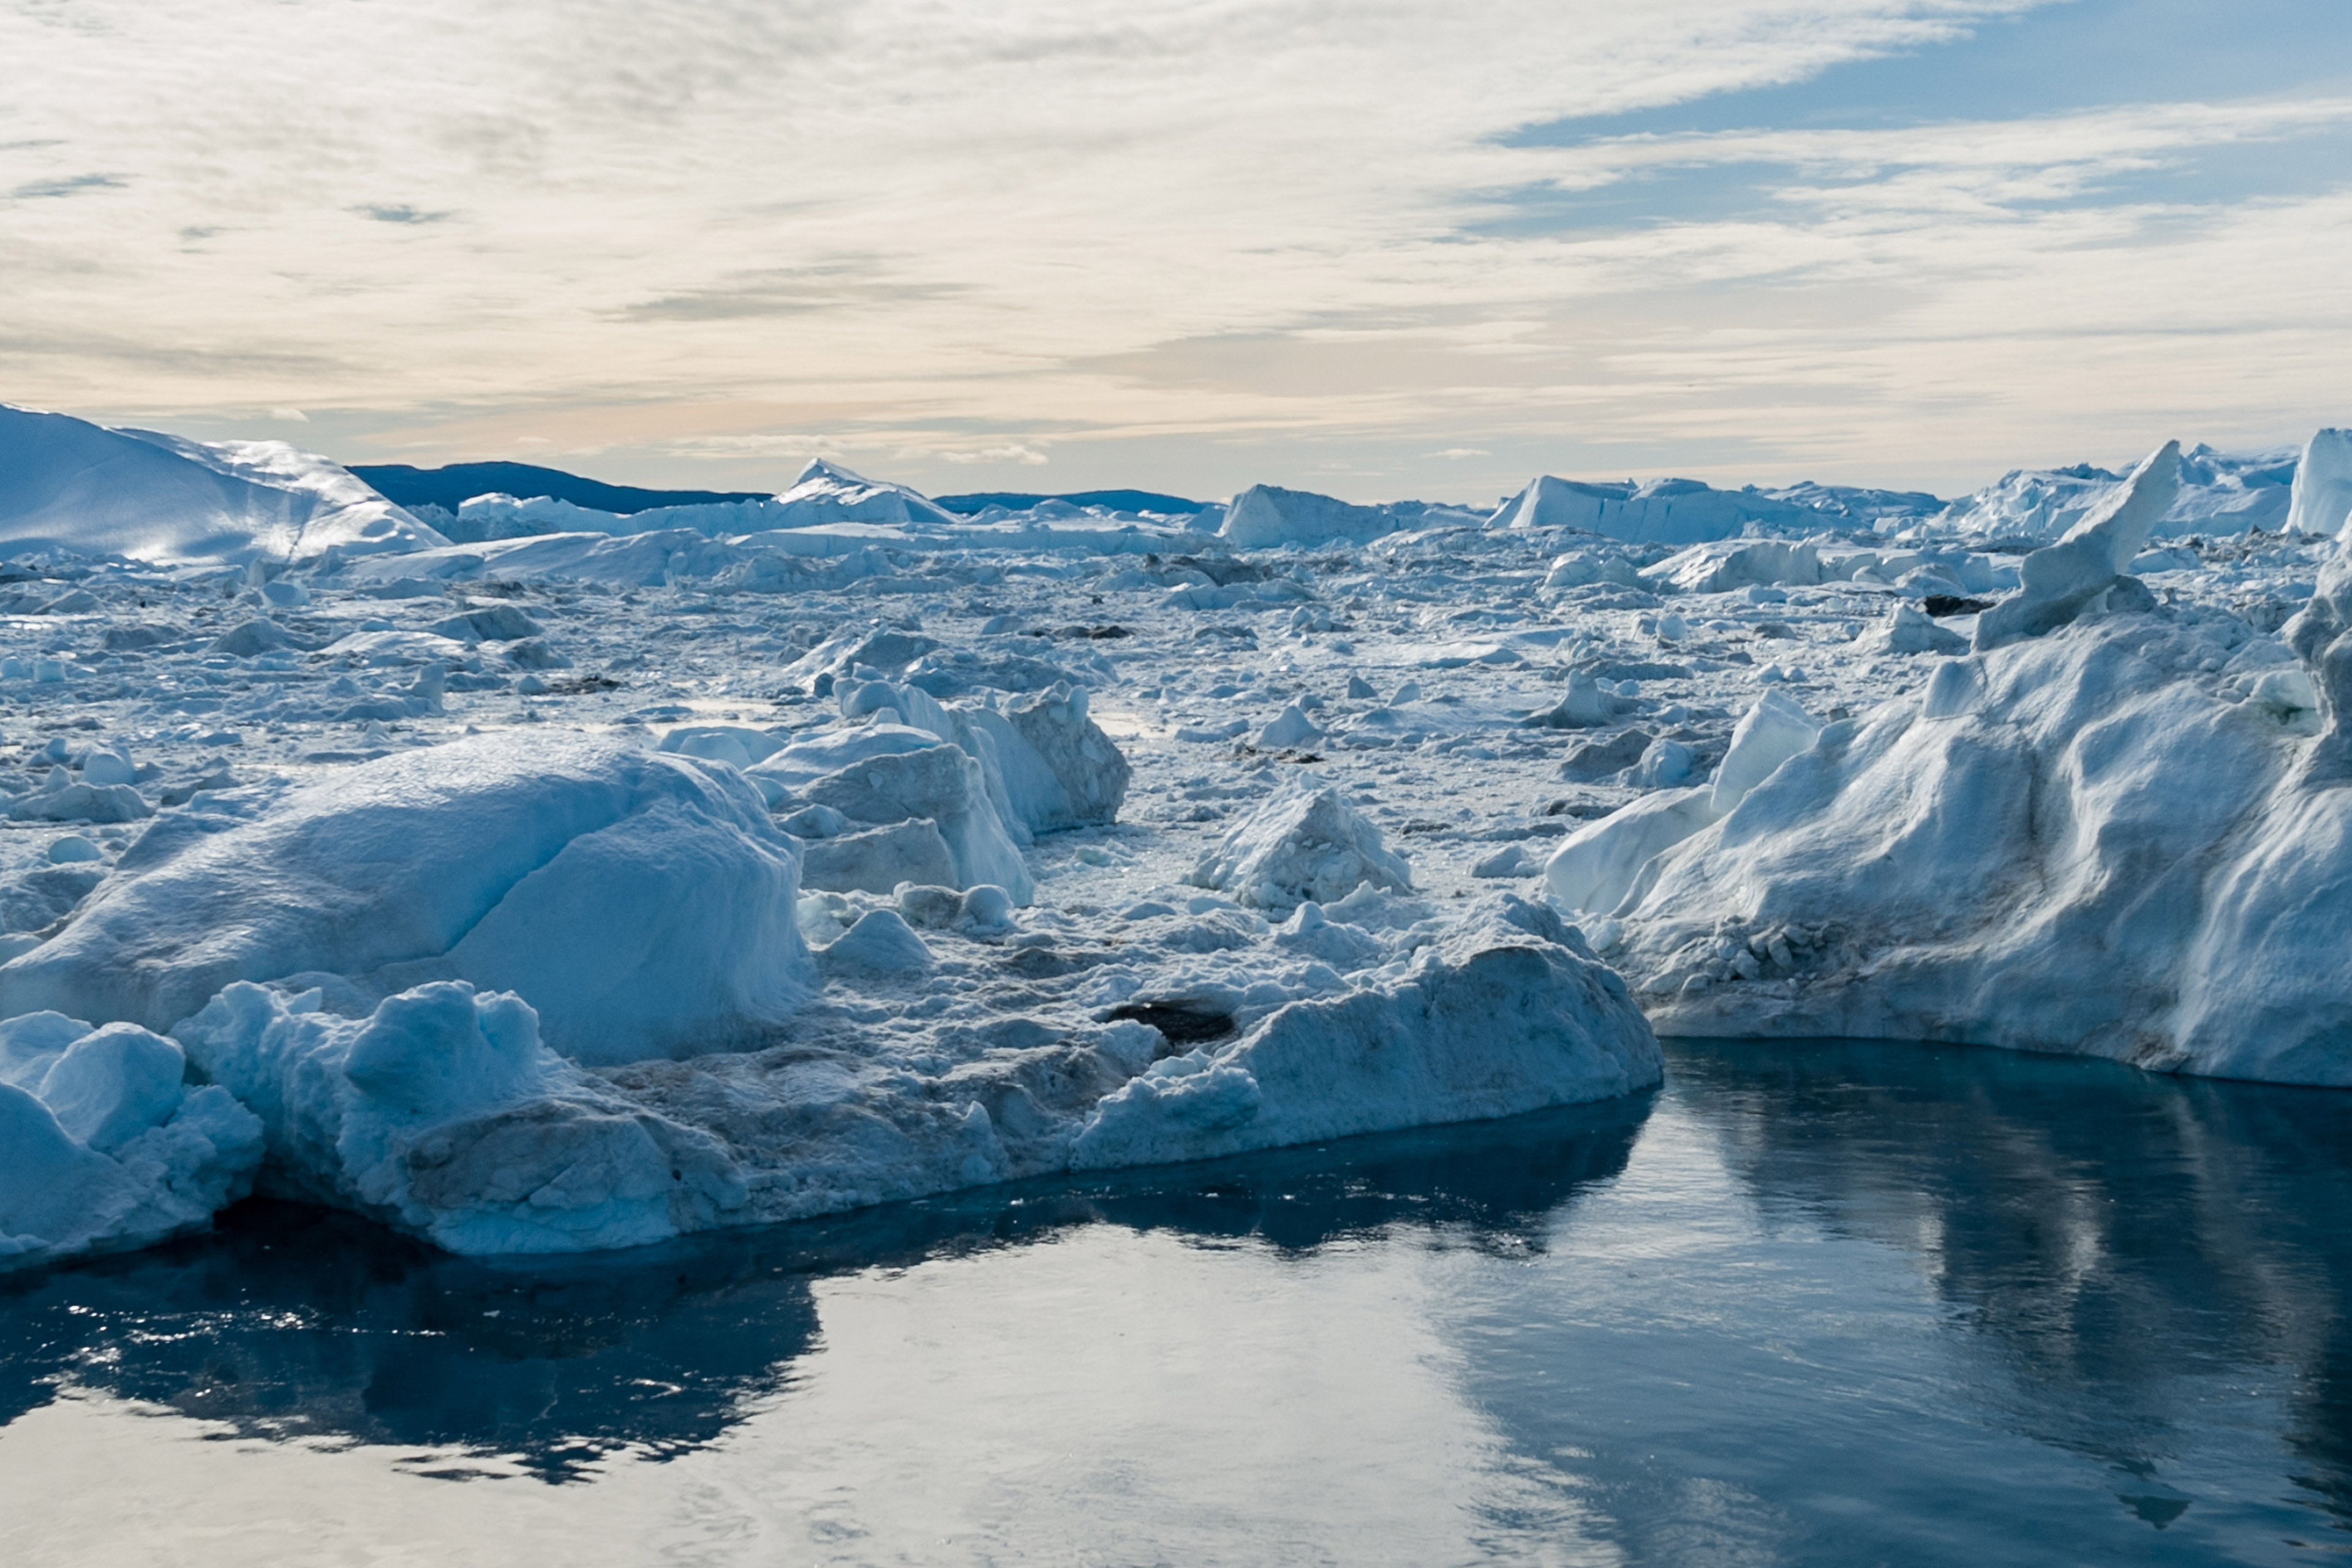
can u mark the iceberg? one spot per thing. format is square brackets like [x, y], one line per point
[1662, 511]
[2124, 837]
[643, 903]
[68, 484]
[2321, 500]
[1305, 843]
[103, 1147]
[2089, 563]
[444, 1113]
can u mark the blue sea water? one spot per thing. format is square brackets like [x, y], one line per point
[1810, 1304]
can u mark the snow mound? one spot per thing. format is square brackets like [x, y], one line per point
[1306, 842]
[1506, 1014]
[643, 903]
[444, 1114]
[104, 1148]
[68, 484]
[1662, 511]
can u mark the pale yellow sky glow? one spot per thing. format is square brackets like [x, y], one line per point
[1186, 246]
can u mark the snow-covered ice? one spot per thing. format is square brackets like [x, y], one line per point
[569, 879]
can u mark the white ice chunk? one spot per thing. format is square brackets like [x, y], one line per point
[880, 944]
[104, 1148]
[1768, 734]
[2063, 579]
[643, 902]
[2323, 485]
[1288, 730]
[1306, 842]
[1721, 566]
[1594, 870]
[113, 1084]
[1506, 1015]
[1907, 629]
[444, 1114]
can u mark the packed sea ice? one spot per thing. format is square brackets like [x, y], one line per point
[532, 877]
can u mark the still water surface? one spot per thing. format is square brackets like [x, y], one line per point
[1811, 1304]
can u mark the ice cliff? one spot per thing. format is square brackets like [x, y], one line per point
[2118, 828]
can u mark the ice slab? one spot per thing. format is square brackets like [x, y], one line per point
[643, 902]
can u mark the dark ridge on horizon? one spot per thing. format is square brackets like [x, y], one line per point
[456, 483]
[1118, 500]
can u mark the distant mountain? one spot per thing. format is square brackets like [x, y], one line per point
[1115, 500]
[451, 487]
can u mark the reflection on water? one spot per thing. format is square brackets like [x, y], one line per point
[2115, 1238]
[1812, 1303]
[296, 1322]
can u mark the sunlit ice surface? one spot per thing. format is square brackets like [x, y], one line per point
[1810, 1304]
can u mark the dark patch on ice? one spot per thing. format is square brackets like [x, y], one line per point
[1179, 1024]
[1942, 605]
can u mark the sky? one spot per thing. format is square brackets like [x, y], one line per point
[1381, 249]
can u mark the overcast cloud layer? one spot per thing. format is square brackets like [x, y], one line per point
[1380, 248]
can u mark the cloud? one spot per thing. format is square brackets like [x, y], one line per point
[67, 185]
[1213, 229]
[402, 215]
[1014, 454]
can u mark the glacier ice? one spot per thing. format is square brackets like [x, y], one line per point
[2099, 840]
[497, 860]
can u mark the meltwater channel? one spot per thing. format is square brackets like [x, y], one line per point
[1813, 1304]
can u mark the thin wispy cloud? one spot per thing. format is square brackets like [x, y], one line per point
[1199, 242]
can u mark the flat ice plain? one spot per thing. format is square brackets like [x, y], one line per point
[534, 880]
